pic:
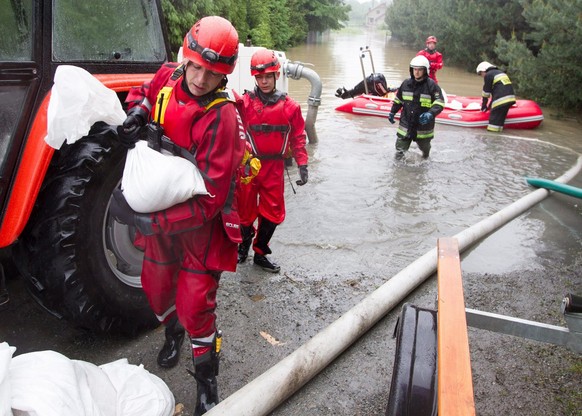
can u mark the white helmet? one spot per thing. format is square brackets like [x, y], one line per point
[484, 66]
[420, 62]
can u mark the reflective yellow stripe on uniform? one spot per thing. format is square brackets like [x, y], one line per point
[503, 78]
[494, 128]
[439, 102]
[425, 100]
[407, 95]
[508, 99]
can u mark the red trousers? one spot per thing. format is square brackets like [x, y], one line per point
[265, 195]
[175, 280]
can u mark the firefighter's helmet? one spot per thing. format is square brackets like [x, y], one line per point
[419, 62]
[484, 66]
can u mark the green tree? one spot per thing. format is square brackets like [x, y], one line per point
[466, 29]
[299, 27]
[545, 62]
[275, 24]
[280, 24]
[322, 15]
[180, 15]
[259, 20]
[536, 41]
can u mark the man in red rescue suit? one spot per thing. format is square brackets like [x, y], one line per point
[434, 57]
[421, 100]
[497, 86]
[187, 246]
[277, 129]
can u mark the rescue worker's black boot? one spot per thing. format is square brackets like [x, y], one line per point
[264, 263]
[206, 356]
[170, 353]
[248, 232]
[261, 246]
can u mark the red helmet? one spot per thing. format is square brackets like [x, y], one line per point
[264, 61]
[213, 43]
[431, 39]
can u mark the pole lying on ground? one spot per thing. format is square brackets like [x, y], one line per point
[270, 389]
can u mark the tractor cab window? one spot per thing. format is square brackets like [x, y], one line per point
[16, 70]
[15, 31]
[105, 31]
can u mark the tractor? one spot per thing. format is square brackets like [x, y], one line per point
[77, 262]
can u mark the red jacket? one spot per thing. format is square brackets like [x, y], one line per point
[216, 138]
[435, 59]
[276, 128]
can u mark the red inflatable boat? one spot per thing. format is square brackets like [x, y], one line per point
[459, 111]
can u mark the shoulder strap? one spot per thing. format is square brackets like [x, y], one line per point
[165, 93]
[217, 97]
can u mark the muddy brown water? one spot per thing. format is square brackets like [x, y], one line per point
[361, 200]
[361, 219]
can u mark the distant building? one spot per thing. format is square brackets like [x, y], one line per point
[376, 14]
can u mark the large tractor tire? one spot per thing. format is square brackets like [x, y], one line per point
[79, 263]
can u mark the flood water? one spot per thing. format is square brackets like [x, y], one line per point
[362, 204]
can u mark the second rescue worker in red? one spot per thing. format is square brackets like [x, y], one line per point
[277, 128]
[434, 57]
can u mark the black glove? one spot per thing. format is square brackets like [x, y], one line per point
[129, 131]
[343, 93]
[391, 118]
[484, 105]
[303, 174]
[122, 212]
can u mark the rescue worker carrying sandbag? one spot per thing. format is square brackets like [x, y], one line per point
[276, 130]
[497, 86]
[188, 246]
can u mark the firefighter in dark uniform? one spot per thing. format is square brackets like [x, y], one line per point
[421, 100]
[496, 86]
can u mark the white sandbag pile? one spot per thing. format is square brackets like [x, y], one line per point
[47, 383]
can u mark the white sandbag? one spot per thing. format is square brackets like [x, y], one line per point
[473, 106]
[100, 389]
[46, 383]
[455, 105]
[139, 392]
[77, 101]
[6, 352]
[153, 181]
